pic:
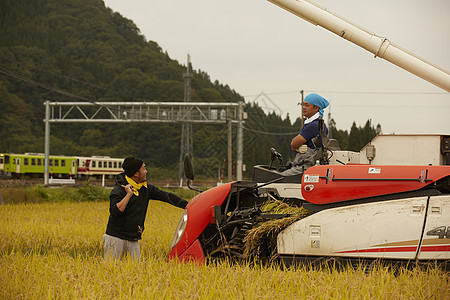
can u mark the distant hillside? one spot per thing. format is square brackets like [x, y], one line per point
[79, 50]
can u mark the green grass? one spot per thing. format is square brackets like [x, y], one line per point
[86, 192]
[53, 250]
[41, 194]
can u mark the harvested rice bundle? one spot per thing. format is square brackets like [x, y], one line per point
[271, 228]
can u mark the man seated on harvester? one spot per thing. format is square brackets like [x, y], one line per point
[308, 143]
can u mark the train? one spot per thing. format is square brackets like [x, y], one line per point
[31, 165]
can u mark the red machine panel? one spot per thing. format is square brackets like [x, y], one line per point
[330, 183]
[199, 215]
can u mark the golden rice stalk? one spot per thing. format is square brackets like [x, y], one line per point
[273, 227]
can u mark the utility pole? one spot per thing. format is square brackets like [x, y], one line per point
[330, 131]
[301, 110]
[47, 142]
[240, 142]
[186, 146]
[230, 149]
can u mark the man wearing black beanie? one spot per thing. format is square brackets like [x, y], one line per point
[129, 200]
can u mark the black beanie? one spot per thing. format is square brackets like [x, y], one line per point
[131, 165]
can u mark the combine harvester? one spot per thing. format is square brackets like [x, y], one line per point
[389, 202]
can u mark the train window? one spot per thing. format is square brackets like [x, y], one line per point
[56, 162]
[14, 161]
[99, 164]
[93, 164]
[115, 165]
[50, 162]
[39, 161]
[110, 164]
[63, 163]
[1, 160]
[33, 161]
[25, 161]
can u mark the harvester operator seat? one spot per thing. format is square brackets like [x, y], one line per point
[264, 173]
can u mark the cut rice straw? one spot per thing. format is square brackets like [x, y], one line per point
[271, 228]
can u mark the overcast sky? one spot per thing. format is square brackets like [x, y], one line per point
[256, 47]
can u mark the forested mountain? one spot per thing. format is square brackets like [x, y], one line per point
[80, 50]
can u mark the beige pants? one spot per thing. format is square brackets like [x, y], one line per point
[116, 248]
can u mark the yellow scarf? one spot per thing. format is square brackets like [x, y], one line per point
[136, 186]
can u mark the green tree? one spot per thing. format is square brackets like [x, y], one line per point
[360, 136]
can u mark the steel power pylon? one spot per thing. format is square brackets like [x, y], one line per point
[186, 143]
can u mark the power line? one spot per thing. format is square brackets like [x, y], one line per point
[44, 86]
[353, 93]
[269, 133]
[41, 85]
[49, 88]
[55, 74]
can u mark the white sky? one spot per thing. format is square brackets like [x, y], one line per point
[255, 46]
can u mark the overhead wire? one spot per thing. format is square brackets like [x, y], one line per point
[57, 75]
[32, 82]
[52, 89]
[9, 73]
[68, 94]
[350, 92]
[269, 133]
[41, 85]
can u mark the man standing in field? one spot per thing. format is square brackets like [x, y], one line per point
[129, 200]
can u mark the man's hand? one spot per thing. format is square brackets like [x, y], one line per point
[302, 149]
[128, 188]
[124, 202]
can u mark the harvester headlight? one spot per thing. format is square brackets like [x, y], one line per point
[180, 229]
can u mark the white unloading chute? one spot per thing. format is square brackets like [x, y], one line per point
[379, 46]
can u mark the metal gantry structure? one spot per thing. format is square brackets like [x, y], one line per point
[145, 112]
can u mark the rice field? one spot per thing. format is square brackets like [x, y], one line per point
[53, 250]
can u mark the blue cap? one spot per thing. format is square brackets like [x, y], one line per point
[317, 100]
